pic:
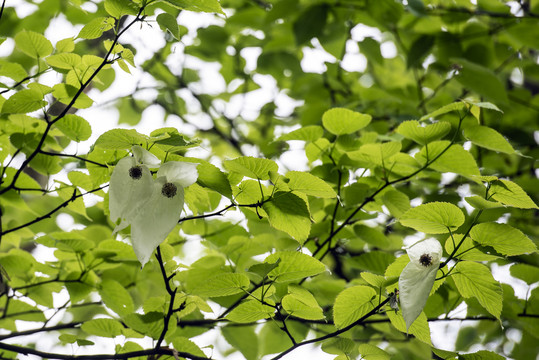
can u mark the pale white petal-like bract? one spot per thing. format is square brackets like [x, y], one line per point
[417, 278]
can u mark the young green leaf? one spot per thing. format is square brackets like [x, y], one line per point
[309, 184]
[169, 22]
[340, 121]
[211, 177]
[116, 297]
[396, 202]
[377, 154]
[352, 304]
[222, 285]
[423, 134]
[66, 61]
[307, 133]
[119, 8]
[504, 238]
[420, 328]
[293, 266]
[289, 213]
[199, 6]
[509, 193]
[467, 249]
[120, 139]
[301, 303]
[433, 218]
[96, 27]
[33, 44]
[23, 102]
[102, 327]
[481, 203]
[475, 280]
[250, 311]
[371, 352]
[454, 159]
[74, 127]
[481, 80]
[488, 138]
[252, 167]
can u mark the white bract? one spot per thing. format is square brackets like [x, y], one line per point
[160, 213]
[130, 184]
[417, 278]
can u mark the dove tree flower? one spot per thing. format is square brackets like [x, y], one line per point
[130, 185]
[417, 278]
[159, 214]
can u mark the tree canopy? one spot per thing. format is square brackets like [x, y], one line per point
[313, 169]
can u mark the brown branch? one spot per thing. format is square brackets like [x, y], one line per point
[127, 355]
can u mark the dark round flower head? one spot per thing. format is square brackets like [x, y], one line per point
[135, 172]
[425, 260]
[169, 190]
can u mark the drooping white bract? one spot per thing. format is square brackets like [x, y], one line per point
[161, 212]
[130, 185]
[417, 278]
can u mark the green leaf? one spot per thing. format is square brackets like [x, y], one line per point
[481, 355]
[96, 27]
[33, 44]
[396, 202]
[352, 304]
[183, 344]
[378, 154]
[481, 80]
[481, 203]
[198, 6]
[454, 106]
[340, 121]
[65, 45]
[528, 273]
[250, 311]
[116, 297]
[454, 159]
[222, 285]
[242, 338]
[211, 177]
[102, 327]
[293, 266]
[12, 70]
[119, 8]
[423, 134]
[303, 25]
[504, 238]
[120, 139]
[488, 138]
[74, 127]
[289, 213]
[509, 193]
[67, 61]
[371, 352]
[420, 328]
[252, 167]
[65, 94]
[433, 218]
[307, 133]
[309, 184]
[169, 22]
[150, 324]
[475, 280]
[467, 249]
[23, 102]
[301, 303]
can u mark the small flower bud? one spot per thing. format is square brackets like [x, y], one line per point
[135, 172]
[169, 190]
